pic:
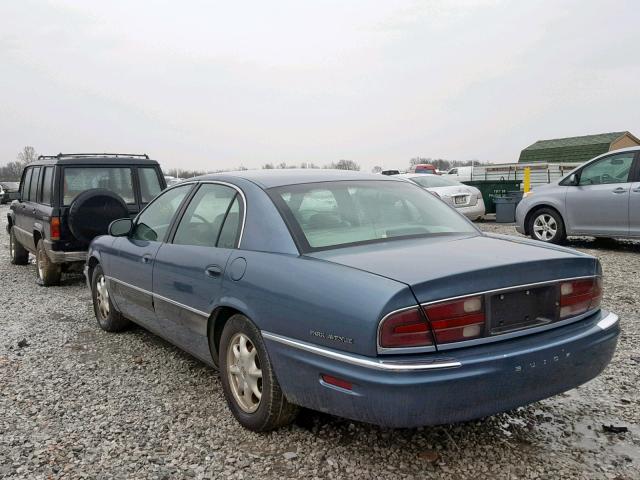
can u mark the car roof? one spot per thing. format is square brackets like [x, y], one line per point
[97, 159]
[269, 178]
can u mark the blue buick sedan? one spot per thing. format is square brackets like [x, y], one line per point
[359, 295]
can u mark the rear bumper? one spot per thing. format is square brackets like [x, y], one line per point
[474, 212]
[446, 387]
[58, 256]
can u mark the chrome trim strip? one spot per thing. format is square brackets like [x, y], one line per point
[159, 297]
[482, 340]
[389, 366]
[608, 321]
[181, 305]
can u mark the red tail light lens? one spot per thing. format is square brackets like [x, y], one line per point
[54, 228]
[405, 329]
[457, 320]
[580, 296]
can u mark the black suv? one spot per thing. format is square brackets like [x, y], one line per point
[66, 200]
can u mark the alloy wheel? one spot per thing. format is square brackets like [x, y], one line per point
[102, 297]
[545, 227]
[244, 372]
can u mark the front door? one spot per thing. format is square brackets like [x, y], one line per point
[131, 269]
[634, 209]
[599, 204]
[189, 270]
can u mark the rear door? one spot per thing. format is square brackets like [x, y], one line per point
[131, 268]
[634, 200]
[599, 204]
[188, 271]
[29, 210]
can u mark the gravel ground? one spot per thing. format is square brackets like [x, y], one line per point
[76, 402]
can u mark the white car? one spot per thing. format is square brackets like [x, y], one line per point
[464, 198]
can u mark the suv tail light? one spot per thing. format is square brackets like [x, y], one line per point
[579, 296]
[54, 228]
[405, 329]
[457, 320]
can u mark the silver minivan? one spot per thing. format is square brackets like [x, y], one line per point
[600, 198]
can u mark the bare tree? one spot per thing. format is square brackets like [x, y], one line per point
[344, 165]
[27, 155]
[376, 169]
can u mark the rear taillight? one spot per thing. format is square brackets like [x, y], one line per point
[580, 296]
[54, 228]
[405, 329]
[457, 320]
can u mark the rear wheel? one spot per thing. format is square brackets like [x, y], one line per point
[249, 383]
[109, 319]
[547, 226]
[49, 273]
[17, 253]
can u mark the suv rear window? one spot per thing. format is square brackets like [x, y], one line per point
[149, 183]
[116, 179]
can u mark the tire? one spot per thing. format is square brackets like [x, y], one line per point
[546, 225]
[272, 409]
[108, 318]
[49, 273]
[92, 211]
[17, 253]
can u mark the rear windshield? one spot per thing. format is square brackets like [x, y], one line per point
[116, 179]
[331, 214]
[433, 181]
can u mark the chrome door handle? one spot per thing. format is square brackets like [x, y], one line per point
[213, 271]
[146, 258]
[620, 190]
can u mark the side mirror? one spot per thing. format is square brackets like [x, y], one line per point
[121, 227]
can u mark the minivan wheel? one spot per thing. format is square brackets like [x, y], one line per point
[49, 273]
[547, 226]
[17, 253]
[109, 319]
[248, 381]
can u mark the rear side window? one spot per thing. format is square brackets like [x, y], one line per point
[231, 228]
[47, 184]
[149, 183]
[202, 221]
[33, 187]
[116, 179]
[26, 184]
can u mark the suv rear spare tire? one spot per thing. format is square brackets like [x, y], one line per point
[92, 211]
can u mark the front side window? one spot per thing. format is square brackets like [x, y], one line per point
[33, 188]
[154, 221]
[614, 169]
[332, 214]
[47, 185]
[149, 183]
[205, 215]
[115, 179]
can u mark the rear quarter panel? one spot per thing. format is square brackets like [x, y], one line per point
[313, 300]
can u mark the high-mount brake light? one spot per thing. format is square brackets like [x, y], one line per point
[407, 328]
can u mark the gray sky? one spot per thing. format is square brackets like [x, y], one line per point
[214, 85]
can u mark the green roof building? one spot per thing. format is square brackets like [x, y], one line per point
[576, 149]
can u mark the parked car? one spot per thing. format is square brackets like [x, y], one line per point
[390, 172]
[461, 174]
[8, 191]
[424, 168]
[601, 199]
[355, 294]
[465, 199]
[68, 199]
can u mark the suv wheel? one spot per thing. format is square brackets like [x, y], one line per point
[17, 253]
[547, 226]
[249, 383]
[49, 273]
[109, 319]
